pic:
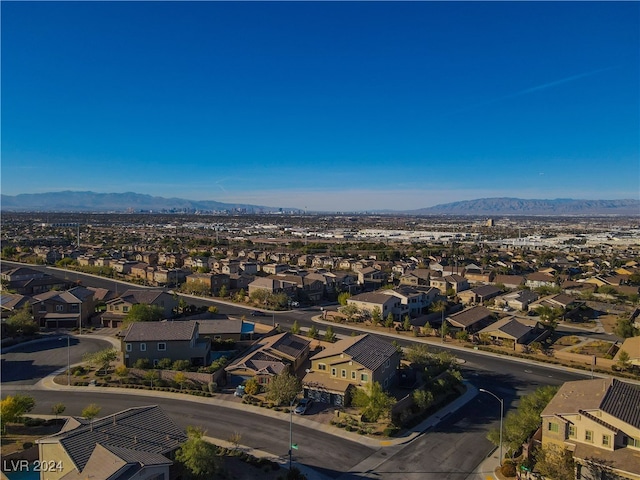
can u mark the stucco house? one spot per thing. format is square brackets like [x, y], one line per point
[157, 340]
[350, 363]
[598, 421]
[118, 308]
[135, 443]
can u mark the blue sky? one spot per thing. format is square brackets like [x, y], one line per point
[329, 105]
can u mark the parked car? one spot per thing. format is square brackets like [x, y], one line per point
[257, 313]
[239, 391]
[303, 407]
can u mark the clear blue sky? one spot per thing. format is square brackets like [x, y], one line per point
[327, 105]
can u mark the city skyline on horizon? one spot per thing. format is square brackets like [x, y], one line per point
[324, 106]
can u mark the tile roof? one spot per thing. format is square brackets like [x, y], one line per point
[144, 429]
[161, 331]
[622, 401]
[510, 326]
[369, 351]
[141, 296]
[220, 326]
[471, 316]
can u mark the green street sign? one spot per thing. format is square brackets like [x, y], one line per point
[294, 446]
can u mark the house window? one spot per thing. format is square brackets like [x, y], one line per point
[553, 427]
[353, 375]
[117, 307]
[588, 436]
[129, 347]
[333, 372]
[125, 309]
[343, 373]
[322, 366]
[143, 347]
[606, 440]
[632, 442]
[572, 431]
[162, 346]
[59, 308]
[155, 362]
[364, 377]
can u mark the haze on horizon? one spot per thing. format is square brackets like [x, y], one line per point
[322, 105]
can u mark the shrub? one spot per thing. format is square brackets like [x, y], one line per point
[142, 363]
[27, 445]
[390, 431]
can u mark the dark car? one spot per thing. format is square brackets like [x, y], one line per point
[304, 405]
[239, 391]
[257, 313]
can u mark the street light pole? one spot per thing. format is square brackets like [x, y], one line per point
[291, 431]
[68, 360]
[501, 416]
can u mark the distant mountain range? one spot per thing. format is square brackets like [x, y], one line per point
[69, 201]
[518, 206]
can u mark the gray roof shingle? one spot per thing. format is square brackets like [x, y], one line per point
[160, 331]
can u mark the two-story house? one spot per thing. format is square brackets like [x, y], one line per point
[154, 341]
[135, 443]
[118, 308]
[368, 301]
[598, 421]
[213, 282]
[68, 309]
[347, 364]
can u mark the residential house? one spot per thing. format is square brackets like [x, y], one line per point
[475, 274]
[510, 329]
[598, 421]
[27, 281]
[518, 300]
[135, 443]
[457, 283]
[416, 277]
[368, 301]
[169, 276]
[118, 308]
[472, 319]
[213, 282]
[370, 276]
[270, 356]
[249, 268]
[479, 295]
[540, 279]
[413, 301]
[273, 284]
[142, 271]
[154, 341]
[274, 268]
[12, 302]
[509, 281]
[67, 309]
[150, 258]
[347, 364]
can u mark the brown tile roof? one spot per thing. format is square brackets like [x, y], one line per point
[160, 331]
[470, 316]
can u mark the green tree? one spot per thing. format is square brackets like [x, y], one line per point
[151, 376]
[240, 295]
[406, 324]
[91, 411]
[142, 312]
[312, 332]
[624, 360]
[624, 327]
[181, 365]
[373, 402]
[555, 462]
[518, 425]
[389, 321]
[58, 408]
[343, 297]
[142, 363]
[295, 328]
[21, 322]
[444, 330]
[197, 455]
[212, 309]
[423, 398]
[350, 310]
[329, 335]
[223, 292]
[164, 364]
[418, 353]
[101, 359]
[283, 388]
[13, 407]
[376, 315]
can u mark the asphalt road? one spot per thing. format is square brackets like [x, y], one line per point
[27, 364]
